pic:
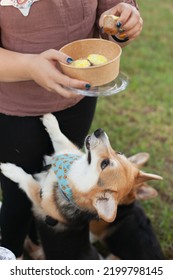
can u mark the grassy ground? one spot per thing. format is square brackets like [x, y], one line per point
[141, 118]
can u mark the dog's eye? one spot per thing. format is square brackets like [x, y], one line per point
[119, 153]
[105, 163]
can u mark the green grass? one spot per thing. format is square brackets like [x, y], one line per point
[141, 117]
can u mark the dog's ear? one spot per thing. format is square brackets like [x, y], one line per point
[139, 159]
[145, 191]
[144, 177]
[106, 206]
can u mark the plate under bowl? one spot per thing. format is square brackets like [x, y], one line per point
[116, 86]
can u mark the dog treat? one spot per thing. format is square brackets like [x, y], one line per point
[91, 60]
[81, 63]
[97, 59]
[110, 24]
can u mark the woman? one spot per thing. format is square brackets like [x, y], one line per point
[31, 85]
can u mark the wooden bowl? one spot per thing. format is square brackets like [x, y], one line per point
[94, 75]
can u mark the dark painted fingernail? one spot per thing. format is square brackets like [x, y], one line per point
[118, 24]
[69, 60]
[87, 86]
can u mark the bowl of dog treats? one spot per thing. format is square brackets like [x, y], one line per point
[96, 61]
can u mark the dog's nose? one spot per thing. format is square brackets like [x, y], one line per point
[98, 132]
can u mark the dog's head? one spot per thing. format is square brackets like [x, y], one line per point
[102, 178]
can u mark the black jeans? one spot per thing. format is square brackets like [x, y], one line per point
[24, 141]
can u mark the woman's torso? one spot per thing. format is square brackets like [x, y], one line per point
[50, 24]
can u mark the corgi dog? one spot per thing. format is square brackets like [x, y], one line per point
[131, 235]
[77, 185]
[100, 229]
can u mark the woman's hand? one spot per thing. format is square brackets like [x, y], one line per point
[129, 19]
[43, 69]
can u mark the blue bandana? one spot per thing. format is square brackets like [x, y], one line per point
[61, 165]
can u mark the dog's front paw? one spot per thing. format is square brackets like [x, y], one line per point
[50, 123]
[13, 172]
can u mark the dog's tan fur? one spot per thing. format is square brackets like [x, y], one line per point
[49, 206]
[95, 190]
[99, 229]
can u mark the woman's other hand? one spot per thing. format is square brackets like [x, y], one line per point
[129, 19]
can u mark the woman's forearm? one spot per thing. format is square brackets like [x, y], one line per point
[41, 68]
[14, 66]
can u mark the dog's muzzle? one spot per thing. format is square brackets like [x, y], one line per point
[93, 140]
